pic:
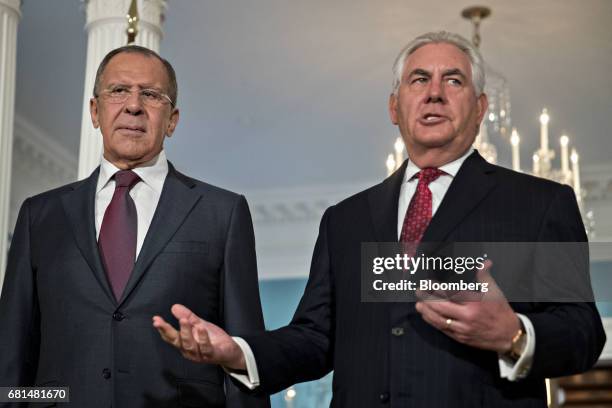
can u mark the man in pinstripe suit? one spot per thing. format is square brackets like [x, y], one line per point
[428, 354]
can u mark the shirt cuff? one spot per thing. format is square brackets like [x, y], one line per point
[514, 371]
[251, 378]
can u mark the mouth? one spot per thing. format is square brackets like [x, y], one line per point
[431, 118]
[131, 129]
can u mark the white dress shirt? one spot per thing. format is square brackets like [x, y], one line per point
[438, 189]
[145, 193]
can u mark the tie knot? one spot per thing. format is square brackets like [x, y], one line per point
[429, 174]
[126, 178]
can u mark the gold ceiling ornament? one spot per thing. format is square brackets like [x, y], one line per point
[132, 19]
[497, 123]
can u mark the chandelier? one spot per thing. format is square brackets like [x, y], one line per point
[497, 122]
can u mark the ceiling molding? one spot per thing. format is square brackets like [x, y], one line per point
[37, 146]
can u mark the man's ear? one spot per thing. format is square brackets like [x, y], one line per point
[393, 108]
[483, 105]
[93, 111]
[174, 118]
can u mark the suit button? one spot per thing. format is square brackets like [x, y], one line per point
[118, 316]
[384, 397]
[397, 331]
[106, 373]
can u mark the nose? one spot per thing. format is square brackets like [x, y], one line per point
[435, 92]
[133, 104]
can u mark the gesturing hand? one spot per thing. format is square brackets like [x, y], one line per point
[199, 340]
[484, 321]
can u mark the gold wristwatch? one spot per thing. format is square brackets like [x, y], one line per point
[519, 342]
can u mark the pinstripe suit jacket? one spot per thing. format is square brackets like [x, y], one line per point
[333, 330]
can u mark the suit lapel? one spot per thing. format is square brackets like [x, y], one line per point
[470, 186]
[383, 200]
[79, 206]
[177, 200]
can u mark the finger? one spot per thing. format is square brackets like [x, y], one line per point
[166, 331]
[447, 309]
[179, 311]
[494, 292]
[465, 296]
[430, 316]
[483, 274]
[203, 341]
[194, 319]
[452, 327]
[188, 343]
[428, 296]
[200, 333]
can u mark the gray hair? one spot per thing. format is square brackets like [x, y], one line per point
[476, 61]
[136, 49]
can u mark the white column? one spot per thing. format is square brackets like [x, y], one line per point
[9, 18]
[106, 30]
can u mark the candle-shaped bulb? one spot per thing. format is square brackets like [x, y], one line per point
[516, 160]
[515, 138]
[576, 174]
[390, 164]
[544, 118]
[574, 156]
[536, 164]
[399, 152]
[564, 140]
[399, 145]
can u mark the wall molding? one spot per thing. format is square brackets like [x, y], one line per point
[39, 164]
[37, 147]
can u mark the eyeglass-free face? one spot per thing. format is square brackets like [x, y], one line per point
[128, 111]
[436, 107]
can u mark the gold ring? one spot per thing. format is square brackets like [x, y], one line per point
[449, 321]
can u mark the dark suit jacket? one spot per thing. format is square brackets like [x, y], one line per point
[377, 365]
[61, 325]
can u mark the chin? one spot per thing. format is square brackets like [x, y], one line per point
[432, 141]
[130, 155]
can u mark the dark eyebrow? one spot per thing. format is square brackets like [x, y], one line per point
[420, 72]
[114, 85]
[141, 87]
[453, 71]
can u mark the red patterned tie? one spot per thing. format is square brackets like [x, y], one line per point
[419, 211]
[117, 241]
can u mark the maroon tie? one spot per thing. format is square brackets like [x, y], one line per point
[418, 213]
[117, 241]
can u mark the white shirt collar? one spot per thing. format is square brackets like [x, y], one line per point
[449, 168]
[153, 173]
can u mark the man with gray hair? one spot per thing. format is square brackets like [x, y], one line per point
[443, 353]
[92, 262]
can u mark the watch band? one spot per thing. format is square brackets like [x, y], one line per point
[518, 344]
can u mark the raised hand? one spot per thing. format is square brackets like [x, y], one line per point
[199, 340]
